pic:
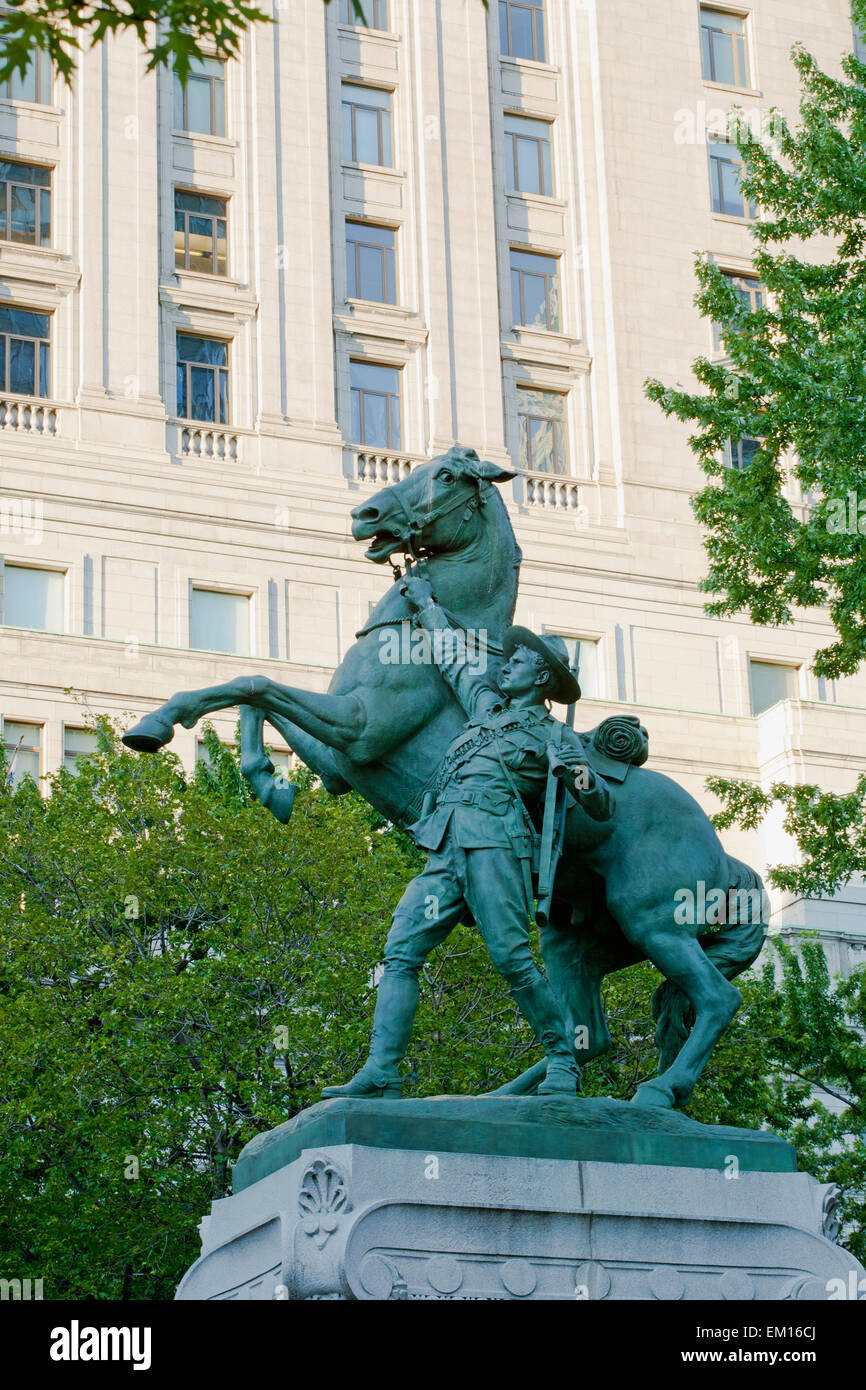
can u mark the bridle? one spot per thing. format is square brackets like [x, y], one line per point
[412, 554]
[417, 520]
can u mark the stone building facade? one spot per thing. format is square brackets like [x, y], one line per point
[230, 311]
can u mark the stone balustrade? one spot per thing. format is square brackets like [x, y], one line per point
[30, 417]
[207, 441]
[552, 492]
[373, 466]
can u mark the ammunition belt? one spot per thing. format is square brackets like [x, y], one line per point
[470, 744]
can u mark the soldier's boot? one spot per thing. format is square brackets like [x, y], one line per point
[537, 1003]
[379, 1079]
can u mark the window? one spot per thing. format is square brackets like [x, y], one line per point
[367, 126]
[202, 752]
[727, 194]
[375, 13]
[771, 682]
[527, 149]
[77, 743]
[284, 762]
[200, 102]
[583, 656]
[25, 203]
[34, 85]
[219, 622]
[750, 292]
[25, 352]
[542, 431]
[535, 290]
[370, 263]
[738, 453]
[724, 52]
[521, 29]
[23, 744]
[375, 405]
[33, 598]
[200, 232]
[202, 379]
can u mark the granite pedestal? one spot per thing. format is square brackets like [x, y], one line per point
[518, 1198]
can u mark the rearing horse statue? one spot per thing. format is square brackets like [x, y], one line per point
[381, 728]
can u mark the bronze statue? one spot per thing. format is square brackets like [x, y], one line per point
[383, 729]
[478, 837]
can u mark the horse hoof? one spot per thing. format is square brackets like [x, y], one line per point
[276, 794]
[149, 735]
[280, 801]
[651, 1096]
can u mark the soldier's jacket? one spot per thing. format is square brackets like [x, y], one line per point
[474, 796]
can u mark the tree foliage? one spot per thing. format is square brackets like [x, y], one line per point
[172, 32]
[828, 828]
[179, 973]
[816, 1078]
[794, 375]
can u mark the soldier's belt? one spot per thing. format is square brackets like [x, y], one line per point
[497, 803]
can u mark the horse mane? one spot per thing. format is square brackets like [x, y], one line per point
[502, 512]
[505, 557]
[499, 531]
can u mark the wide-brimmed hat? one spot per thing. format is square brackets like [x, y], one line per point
[563, 686]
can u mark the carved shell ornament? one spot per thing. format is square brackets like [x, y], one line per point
[323, 1198]
[831, 1216]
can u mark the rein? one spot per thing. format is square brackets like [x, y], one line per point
[494, 647]
[417, 521]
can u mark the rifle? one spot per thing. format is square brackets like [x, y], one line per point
[556, 801]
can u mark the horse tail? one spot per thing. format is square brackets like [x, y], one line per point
[732, 948]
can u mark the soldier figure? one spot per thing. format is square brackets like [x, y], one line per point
[477, 833]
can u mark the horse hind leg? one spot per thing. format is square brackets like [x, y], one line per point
[257, 769]
[337, 720]
[712, 997]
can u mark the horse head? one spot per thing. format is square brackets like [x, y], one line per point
[432, 511]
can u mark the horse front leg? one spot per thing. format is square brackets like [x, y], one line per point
[337, 720]
[277, 794]
[682, 960]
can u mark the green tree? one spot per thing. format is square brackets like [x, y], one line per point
[795, 379]
[795, 374]
[179, 972]
[171, 31]
[793, 1061]
[174, 32]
